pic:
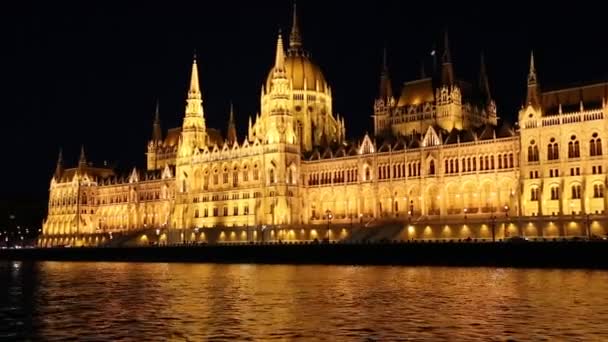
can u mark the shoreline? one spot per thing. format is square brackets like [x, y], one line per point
[562, 254]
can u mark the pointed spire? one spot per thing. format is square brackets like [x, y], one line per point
[194, 101]
[484, 83]
[532, 71]
[386, 89]
[533, 96]
[59, 166]
[82, 161]
[295, 39]
[447, 71]
[231, 132]
[279, 60]
[195, 90]
[156, 129]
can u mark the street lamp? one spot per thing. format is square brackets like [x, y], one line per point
[329, 217]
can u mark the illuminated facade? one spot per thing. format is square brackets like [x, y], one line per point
[439, 165]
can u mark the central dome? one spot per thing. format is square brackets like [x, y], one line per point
[300, 69]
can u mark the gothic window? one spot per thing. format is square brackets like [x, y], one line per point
[432, 167]
[225, 211]
[290, 176]
[474, 163]
[446, 170]
[598, 191]
[534, 192]
[492, 162]
[367, 175]
[235, 211]
[205, 212]
[256, 174]
[451, 165]
[216, 179]
[595, 145]
[576, 192]
[574, 150]
[532, 152]
[246, 210]
[511, 160]
[499, 162]
[554, 193]
[245, 175]
[271, 176]
[469, 164]
[196, 213]
[235, 179]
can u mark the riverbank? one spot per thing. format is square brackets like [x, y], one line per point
[562, 254]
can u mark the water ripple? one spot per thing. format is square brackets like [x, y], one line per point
[193, 302]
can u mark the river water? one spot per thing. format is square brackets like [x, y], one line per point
[194, 302]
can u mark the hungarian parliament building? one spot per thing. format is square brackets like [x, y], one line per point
[440, 165]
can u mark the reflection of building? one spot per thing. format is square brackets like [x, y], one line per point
[439, 161]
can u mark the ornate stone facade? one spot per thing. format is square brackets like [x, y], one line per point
[439, 166]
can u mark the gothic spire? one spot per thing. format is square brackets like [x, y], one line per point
[59, 166]
[295, 39]
[532, 71]
[156, 129]
[82, 161]
[386, 90]
[231, 132]
[533, 96]
[194, 102]
[279, 60]
[447, 70]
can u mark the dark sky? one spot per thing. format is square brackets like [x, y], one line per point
[91, 75]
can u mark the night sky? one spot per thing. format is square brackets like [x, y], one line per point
[91, 75]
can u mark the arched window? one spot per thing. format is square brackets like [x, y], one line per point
[474, 163]
[432, 167]
[598, 190]
[533, 151]
[446, 170]
[196, 213]
[451, 165]
[367, 174]
[534, 194]
[595, 145]
[554, 192]
[576, 192]
[574, 150]
[271, 176]
[290, 176]
[511, 160]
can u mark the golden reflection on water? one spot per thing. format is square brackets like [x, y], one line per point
[156, 301]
